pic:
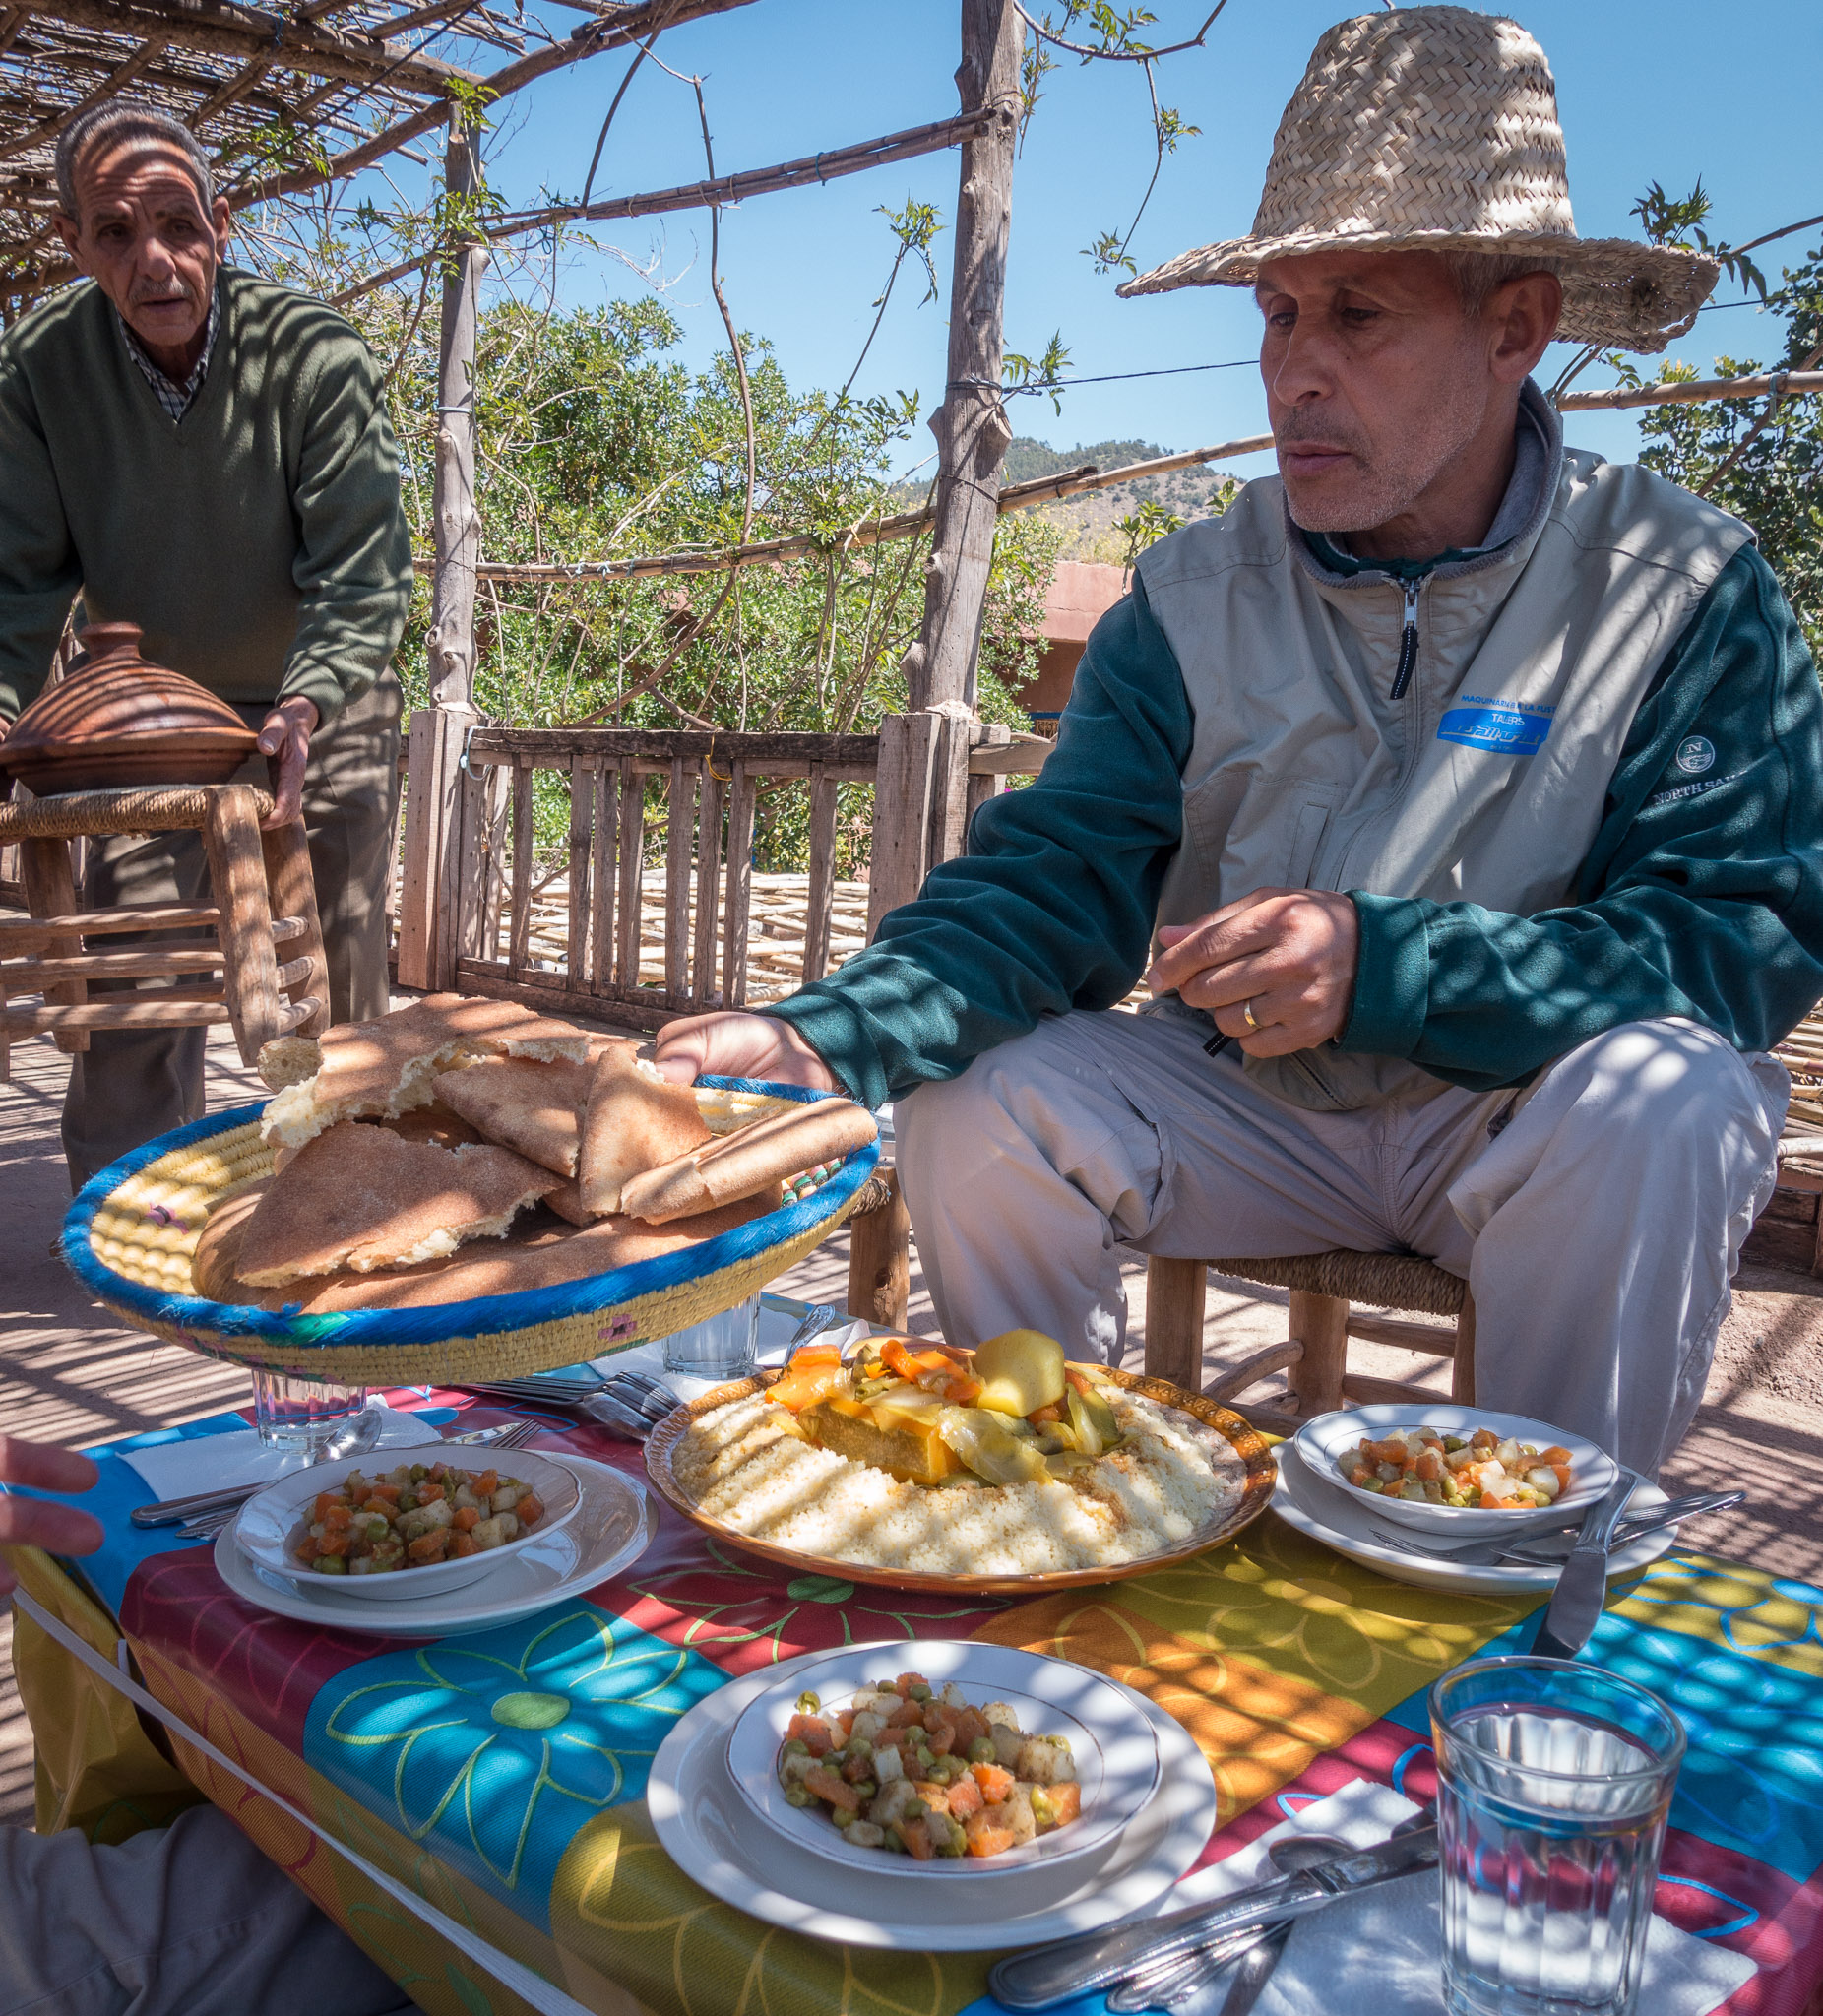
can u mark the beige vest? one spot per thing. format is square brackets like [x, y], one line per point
[1486, 783]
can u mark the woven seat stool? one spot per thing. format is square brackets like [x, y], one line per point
[261, 897]
[1314, 1355]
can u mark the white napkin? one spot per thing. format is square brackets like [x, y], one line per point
[213, 1463]
[1395, 1926]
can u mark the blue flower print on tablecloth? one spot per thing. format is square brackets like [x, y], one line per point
[494, 1750]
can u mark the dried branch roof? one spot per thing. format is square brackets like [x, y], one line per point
[284, 100]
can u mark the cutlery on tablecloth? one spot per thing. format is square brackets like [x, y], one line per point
[204, 1505]
[1078, 1966]
[1252, 1971]
[1534, 1545]
[1582, 1589]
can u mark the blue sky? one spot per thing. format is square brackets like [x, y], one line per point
[1646, 90]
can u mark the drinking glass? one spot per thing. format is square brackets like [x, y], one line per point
[301, 1415]
[722, 1347]
[1553, 1782]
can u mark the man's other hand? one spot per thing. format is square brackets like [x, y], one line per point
[729, 1045]
[285, 733]
[31, 1522]
[1287, 954]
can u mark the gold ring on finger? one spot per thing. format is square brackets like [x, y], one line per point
[1254, 1025]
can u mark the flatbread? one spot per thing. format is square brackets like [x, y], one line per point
[363, 1197]
[534, 1109]
[632, 1123]
[384, 1067]
[289, 1060]
[213, 1265]
[434, 1123]
[533, 1256]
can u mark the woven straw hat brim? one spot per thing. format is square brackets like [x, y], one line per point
[1615, 292]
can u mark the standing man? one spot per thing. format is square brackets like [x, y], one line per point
[205, 454]
[1455, 787]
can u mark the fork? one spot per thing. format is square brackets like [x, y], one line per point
[1530, 1547]
[206, 1525]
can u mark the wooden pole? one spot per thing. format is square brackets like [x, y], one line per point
[971, 425]
[429, 915]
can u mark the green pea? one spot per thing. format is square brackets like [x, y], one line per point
[797, 1747]
[921, 1692]
[330, 1564]
[860, 1747]
[796, 1795]
[982, 1751]
[915, 1809]
[866, 1788]
[808, 1703]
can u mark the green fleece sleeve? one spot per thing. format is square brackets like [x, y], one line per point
[1051, 909]
[1702, 896]
[39, 570]
[354, 564]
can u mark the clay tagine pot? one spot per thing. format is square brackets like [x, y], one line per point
[114, 722]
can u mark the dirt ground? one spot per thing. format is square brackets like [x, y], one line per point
[68, 1374]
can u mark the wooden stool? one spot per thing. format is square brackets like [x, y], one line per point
[261, 897]
[1314, 1358]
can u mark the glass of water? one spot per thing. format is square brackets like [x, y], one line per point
[1554, 1781]
[302, 1416]
[723, 1347]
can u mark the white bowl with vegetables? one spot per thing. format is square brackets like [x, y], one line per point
[1058, 1761]
[1466, 1470]
[394, 1532]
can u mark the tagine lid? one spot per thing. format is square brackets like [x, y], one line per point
[113, 700]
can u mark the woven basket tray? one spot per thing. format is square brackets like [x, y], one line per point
[131, 1232]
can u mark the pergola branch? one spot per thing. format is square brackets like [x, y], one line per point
[1077, 482]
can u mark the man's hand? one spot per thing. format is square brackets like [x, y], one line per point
[285, 733]
[1288, 955]
[729, 1045]
[30, 1522]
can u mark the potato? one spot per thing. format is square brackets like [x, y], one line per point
[1021, 1371]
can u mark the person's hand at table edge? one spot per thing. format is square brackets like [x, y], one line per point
[1276, 970]
[31, 1522]
[730, 1044]
[285, 734]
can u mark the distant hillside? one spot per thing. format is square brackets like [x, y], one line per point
[1088, 521]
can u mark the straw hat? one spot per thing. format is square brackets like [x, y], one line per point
[1435, 129]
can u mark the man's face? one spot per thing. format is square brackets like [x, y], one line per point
[1375, 379]
[148, 242]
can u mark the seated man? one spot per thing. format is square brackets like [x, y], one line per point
[189, 1920]
[1463, 782]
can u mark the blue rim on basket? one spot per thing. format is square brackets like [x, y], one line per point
[478, 1317]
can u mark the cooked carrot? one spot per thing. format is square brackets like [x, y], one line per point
[812, 1733]
[334, 1543]
[816, 1355]
[1042, 1417]
[388, 1494]
[465, 1519]
[907, 1715]
[1066, 1802]
[995, 1781]
[969, 1723]
[460, 1545]
[831, 1787]
[989, 1832]
[916, 1838]
[907, 1681]
[429, 1547]
[943, 1739]
[429, 1493]
[1079, 1380]
[486, 1485]
[530, 1509]
[326, 1501]
[964, 1798]
[959, 1390]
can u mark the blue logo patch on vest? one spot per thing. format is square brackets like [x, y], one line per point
[1695, 754]
[1506, 728]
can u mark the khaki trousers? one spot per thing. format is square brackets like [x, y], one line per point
[1598, 1218]
[130, 1086]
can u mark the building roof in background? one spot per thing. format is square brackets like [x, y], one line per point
[1080, 595]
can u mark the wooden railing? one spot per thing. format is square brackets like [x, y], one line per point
[473, 871]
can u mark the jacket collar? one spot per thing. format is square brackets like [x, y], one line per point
[1531, 492]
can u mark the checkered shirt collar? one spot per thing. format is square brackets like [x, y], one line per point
[176, 398]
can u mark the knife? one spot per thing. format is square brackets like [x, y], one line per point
[1581, 1588]
[1078, 1966]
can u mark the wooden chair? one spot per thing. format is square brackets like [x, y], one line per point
[1314, 1356]
[261, 897]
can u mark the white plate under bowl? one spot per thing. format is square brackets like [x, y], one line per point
[1116, 1752]
[706, 1829]
[614, 1524]
[269, 1524]
[1321, 1440]
[1331, 1516]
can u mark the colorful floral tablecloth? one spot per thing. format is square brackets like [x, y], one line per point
[502, 1776]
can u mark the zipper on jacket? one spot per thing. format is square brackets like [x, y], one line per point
[1407, 644]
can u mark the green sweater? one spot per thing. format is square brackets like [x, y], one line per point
[1701, 897]
[259, 543]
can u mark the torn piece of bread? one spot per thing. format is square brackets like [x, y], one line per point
[634, 1121]
[382, 1068]
[526, 1259]
[531, 1108]
[289, 1060]
[363, 1197]
[213, 1264]
[762, 1155]
[566, 1200]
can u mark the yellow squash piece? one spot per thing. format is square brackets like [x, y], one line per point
[914, 1452]
[1019, 1370]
